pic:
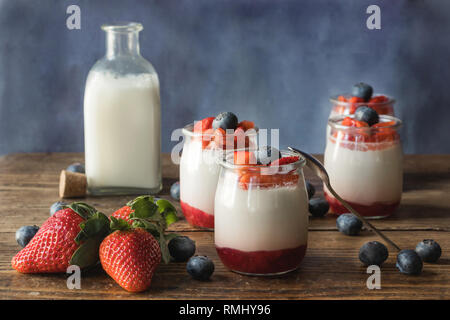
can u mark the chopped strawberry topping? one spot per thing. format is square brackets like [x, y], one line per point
[285, 160]
[244, 157]
[379, 99]
[203, 125]
[246, 124]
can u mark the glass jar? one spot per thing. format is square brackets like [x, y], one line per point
[122, 118]
[199, 172]
[365, 166]
[261, 217]
[344, 105]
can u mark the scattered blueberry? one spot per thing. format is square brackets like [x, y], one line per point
[429, 250]
[58, 205]
[181, 248]
[318, 207]
[349, 224]
[200, 267]
[175, 190]
[409, 262]
[225, 120]
[367, 114]
[25, 234]
[76, 167]
[373, 253]
[310, 189]
[267, 154]
[362, 90]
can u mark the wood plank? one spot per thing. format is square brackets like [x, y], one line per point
[330, 270]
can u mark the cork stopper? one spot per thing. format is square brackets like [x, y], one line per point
[72, 184]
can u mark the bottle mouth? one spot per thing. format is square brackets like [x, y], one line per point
[123, 27]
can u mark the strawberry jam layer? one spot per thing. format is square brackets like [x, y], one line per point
[377, 209]
[197, 217]
[262, 262]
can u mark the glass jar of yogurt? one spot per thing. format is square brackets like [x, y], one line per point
[261, 216]
[122, 118]
[199, 173]
[365, 165]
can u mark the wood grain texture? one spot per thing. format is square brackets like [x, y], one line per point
[331, 269]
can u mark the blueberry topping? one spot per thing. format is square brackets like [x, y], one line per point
[225, 120]
[409, 262]
[367, 114]
[267, 154]
[429, 250]
[200, 267]
[373, 253]
[58, 205]
[349, 224]
[175, 190]
[181, 248]
[362, 90]
[76, 167]
[25, 234]
[310, 189]
[318, 207]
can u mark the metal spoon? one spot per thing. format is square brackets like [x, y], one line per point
[319, 170]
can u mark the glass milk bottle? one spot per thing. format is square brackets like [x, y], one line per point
[122, 118]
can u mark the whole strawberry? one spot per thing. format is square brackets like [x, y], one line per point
[130, 257]
[123, 213]
[60, 241]
[137, 245]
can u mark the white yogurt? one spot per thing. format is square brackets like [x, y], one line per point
[122, 119]
[261, 218]
[365, 177]
[199, 173]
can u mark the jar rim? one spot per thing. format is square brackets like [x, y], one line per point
[334, 122]
[334, 100]
[300, 163]
[122, 27]
[188, 130]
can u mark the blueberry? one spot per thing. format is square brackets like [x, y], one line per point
[181, 248]
[175, 190]
[362, 90]
[310, 189]
[267, 154]
[373, 253]
[200, 267]
[318, 207]
[76, 167]
[429, 250]
[367, 114]
[409, 262]
[225, 120]
[25, 234]
[349, 224]
[58, 205]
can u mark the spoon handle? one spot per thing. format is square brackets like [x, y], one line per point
[319, 170]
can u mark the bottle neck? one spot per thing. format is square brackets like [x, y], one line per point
[122, 43]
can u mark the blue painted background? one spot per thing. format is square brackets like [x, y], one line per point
[274, 62]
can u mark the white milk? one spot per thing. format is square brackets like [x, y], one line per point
[122, 128]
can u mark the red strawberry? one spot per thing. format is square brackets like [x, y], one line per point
[203, 125]
[285, 160]
[123, 213]
[131, 254]
[130, 257]
[53, 247]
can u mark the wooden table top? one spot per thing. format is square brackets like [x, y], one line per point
[330, 270]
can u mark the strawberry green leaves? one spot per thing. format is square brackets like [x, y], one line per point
[84, 210]
[155, 218]
[92, 233]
